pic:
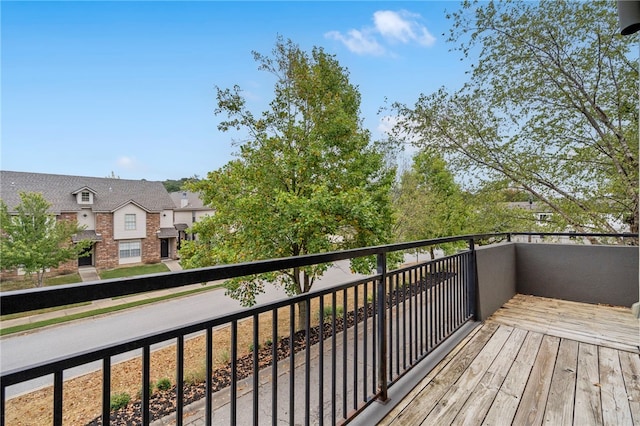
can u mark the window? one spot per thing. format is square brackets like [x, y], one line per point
[130, 222]
[85, 197]
[130, 249]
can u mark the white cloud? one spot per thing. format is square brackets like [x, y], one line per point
[360, 42]
[394, 27]
[403, 27]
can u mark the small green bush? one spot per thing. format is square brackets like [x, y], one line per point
[224, 357]
[328, 312]
[151, 386]
[163, 384]
[199, 375]
[119, 400]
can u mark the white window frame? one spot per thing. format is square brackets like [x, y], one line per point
[85, 197]
[128, 249]
[130, 222]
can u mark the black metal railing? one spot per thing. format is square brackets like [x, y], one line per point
[314, 358]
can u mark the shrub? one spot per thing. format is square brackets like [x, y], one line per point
[224, 357]
[163, 384]
[151, 386]
[196, 376]
[328, 312]
[119, 400]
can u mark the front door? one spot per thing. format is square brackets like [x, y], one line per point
[164, 247]
[88, 259]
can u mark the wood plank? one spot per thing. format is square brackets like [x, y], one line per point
[615, 406]
[409, 398]
[450, 403]
[599, 325]
[534, 399]
[427, 398]
[506, 402]
[588, 409]
[479, 402]
[630, 364]
[559, 410]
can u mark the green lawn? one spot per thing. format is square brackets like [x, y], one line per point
[25, 282]
[132, 271]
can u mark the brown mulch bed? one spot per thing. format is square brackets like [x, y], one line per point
[163, 403]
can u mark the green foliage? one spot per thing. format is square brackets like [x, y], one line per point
[429, 203]
[327, 313]
[119, 400]
[179, 185]
[163, 384]
[550, 107]
[307, 180]
[33, 239]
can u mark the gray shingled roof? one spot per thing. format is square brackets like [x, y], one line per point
[109, 194]
[193, 201]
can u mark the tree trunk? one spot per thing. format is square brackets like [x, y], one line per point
[40, 278]
[302, 316]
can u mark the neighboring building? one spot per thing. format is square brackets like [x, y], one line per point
[189, 209]
[129, 221]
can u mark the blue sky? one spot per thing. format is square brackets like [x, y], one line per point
[90, 88]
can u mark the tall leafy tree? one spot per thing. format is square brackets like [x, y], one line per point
[33, 239]
[551, 106]
[429, 203]
[307, 180]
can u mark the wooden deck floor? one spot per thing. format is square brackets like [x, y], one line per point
[535, 361]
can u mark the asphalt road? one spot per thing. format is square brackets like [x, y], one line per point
[66, 339]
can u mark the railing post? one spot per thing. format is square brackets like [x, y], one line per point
[473, 281]
[382, 327]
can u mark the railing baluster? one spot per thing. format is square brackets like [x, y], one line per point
[374, 338]
[292, 366]
[355, 347]
[307, 363]
[106, 391]
[344, 353]
[365, 343]
[321, 363]
[234, 373]
[404, 321]
[256, 383]
[179, 380]
[208, 414]
[397, 330]
[146, 380]
[333, 358]
[274, 366]
[57, 397]
[382, 332]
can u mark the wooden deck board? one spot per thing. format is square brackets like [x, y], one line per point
[536, 361]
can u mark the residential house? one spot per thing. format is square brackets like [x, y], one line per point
[129, 221]
[189, 209]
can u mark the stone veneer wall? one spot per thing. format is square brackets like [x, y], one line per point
[105, 251]
[151, 244]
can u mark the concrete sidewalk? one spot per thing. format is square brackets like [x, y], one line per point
[90, 274]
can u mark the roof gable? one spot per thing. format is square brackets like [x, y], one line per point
[61, 190]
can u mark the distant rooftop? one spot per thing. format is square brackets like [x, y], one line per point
[109, 194]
